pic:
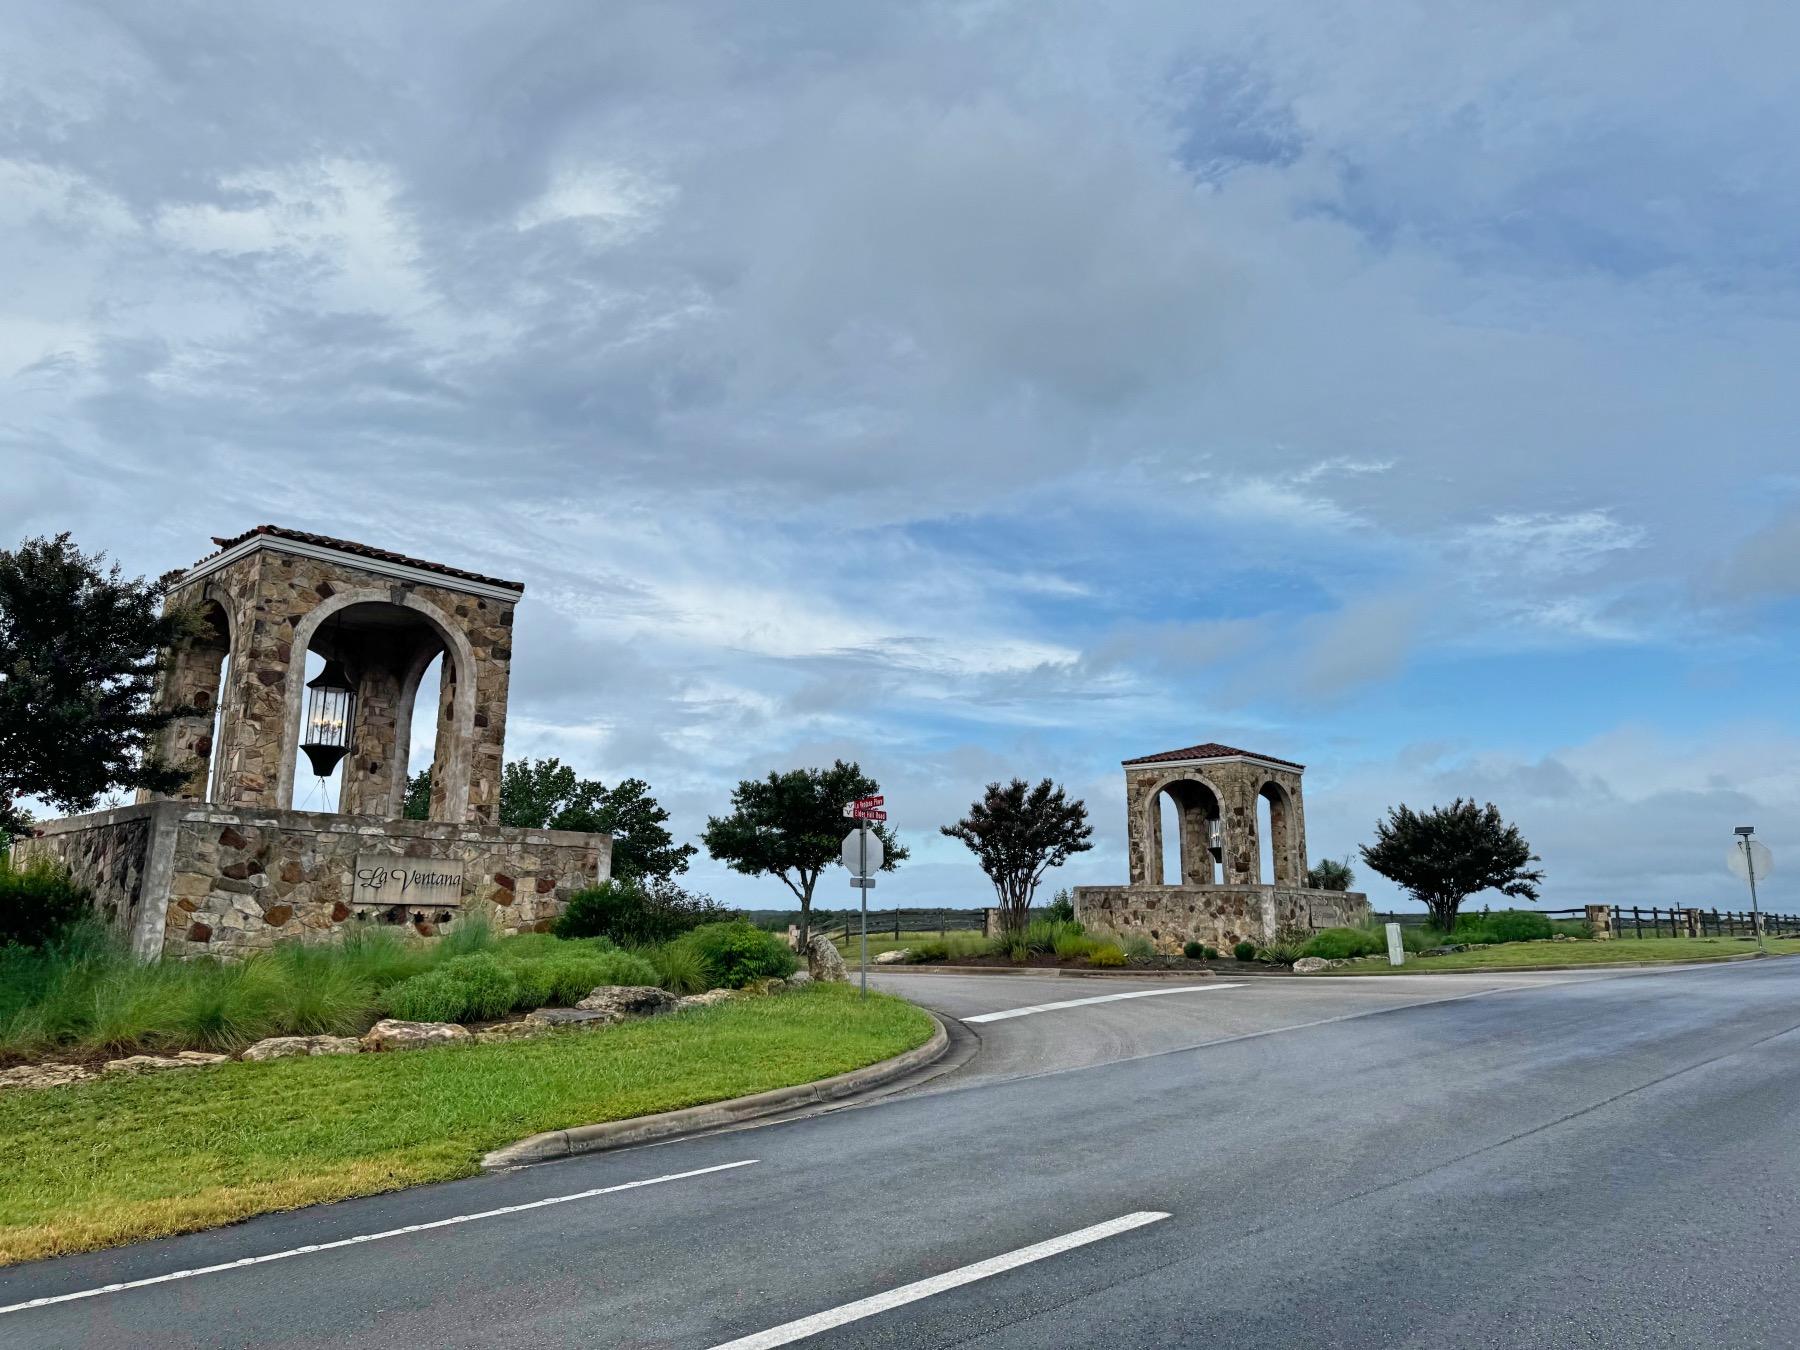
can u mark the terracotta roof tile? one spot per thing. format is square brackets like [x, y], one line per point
[1210, 750]
[350, 546]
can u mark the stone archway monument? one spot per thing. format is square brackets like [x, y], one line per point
[226, 864]
[1221, 897]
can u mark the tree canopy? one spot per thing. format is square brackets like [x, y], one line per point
[81, 646]
[1444, 855]
[1329, 874]
[546, 794]
[791, 825]
[1018, 833]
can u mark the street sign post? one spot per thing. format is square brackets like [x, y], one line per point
[1750, 858]
[863, 854]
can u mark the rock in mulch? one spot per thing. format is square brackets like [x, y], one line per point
[620, 1001]
[287, 1047]
[1306, 965]
[29, 1077]
[393, 1034]
[185, 1059]
[825, 962]
[892, 958]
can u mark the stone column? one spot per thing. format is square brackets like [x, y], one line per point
[193, 678]
[1196, 852]
[368, 771]
[1600, 922]
[1241, 847]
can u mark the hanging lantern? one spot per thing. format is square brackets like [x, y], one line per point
[329, 708]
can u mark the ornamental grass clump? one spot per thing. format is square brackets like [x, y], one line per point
[1337, 944]
[737, 954]
[432, 997]
[489, 988]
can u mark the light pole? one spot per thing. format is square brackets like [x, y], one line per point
[1743, 833]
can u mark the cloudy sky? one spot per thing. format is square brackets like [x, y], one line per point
[977, 389]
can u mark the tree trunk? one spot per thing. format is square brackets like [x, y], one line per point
[1443, 913]
[806, 918]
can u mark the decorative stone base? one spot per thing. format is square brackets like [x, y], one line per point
[187, 879]
[1219, 916]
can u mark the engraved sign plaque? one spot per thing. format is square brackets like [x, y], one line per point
[382, 880]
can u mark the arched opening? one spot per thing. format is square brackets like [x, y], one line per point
[389, 652]
[1187, 836]
[1274, 834]
[196, 679]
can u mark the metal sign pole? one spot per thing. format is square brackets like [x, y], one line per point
[1755, 914]
[862, 844]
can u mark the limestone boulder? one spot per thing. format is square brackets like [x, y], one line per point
[184, 1059]
[511, 1031]
[706, 1000]
[799, 980]
[290, 1047]
[893, 958]
[552, 1018]
[30, 1077]
[622, 1001]
[393, 1034]
[1306, 965]
[824, 961]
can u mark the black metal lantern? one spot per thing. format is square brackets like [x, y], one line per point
[329, 709]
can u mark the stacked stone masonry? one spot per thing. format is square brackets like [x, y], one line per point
[1218, 916]
[184, 879]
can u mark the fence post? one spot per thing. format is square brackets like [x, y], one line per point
[1600, 922]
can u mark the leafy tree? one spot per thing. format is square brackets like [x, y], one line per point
[791, 825]
[80, 649]
[546, 794]
[1444, 855]
[418, 796]
[1330, 875]
[1017, 833]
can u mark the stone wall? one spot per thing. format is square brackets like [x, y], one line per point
[188, 880]
[1220, 916]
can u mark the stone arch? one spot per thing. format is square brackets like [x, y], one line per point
[195, 678]
[459, 657]
[1198, 805]
[1283, 854]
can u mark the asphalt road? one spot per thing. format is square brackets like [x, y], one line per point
[1424, 1162]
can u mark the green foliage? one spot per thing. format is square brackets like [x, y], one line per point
[38, 902]
[466, 937]
[80, 650]
[313, 992]
[1194, 951]
[951, 947]
[791, 825]
[432, 997]
[490, 988]
[1041, 935]
[737, 954]
[1071, 944]
[1107, 955]
[1331, 875]
[679, 968]
[1285, 948]
[1018, 833]
[1061, 908]
[1138, 947]
[632, 915]
[1506, 925]
[417, 805]
[546, 794]
[1244, 951]
[1443, 856]
[1337, 944]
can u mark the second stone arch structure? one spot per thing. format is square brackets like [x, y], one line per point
[1215, 790]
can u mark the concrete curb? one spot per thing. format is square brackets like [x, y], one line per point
[1676, 964]
[1051, 972]
[611, 1134]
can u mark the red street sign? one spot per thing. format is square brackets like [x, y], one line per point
[870, 801]
[869, 813]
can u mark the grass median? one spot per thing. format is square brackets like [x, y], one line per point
[118, 1160]
[1573, 955]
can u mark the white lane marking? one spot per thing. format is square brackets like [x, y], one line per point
[788, 1332]
[309, 1249]
[1103, 998]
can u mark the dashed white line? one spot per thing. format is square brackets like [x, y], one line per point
[310, 1248]
[1102, 998]
[789, 1332]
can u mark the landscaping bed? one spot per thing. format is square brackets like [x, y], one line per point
[128, 1157]
[1573, 954]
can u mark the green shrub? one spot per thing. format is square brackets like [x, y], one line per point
[1285, 948]
[38, 902]
[679, 968]
[490, 988]
[1107, 955]
[1575, 928]
[1509, 925]
[1041, 934]
[1061, 908]
[633, 915]
[1073, 946]
[1245, 951]
[1194, 951]
[951, 947]
[1335, 944]
[736, 954]
[1138, 946]
[432, 997]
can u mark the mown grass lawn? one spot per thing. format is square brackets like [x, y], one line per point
[1627, 951]
[117, 1160]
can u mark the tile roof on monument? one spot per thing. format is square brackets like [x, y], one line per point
[1210, 750]
[361, 550]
